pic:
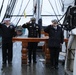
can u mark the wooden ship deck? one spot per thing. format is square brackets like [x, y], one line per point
[17, 68]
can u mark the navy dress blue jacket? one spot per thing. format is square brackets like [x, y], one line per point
[56, 36]
[33, 28]
[7, 32]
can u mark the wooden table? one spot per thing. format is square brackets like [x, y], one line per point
[25, 44]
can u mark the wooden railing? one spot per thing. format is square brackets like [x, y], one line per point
[25, 41]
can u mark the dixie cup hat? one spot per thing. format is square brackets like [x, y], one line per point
[7, 19]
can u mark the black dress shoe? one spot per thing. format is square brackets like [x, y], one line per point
[10, 62]
[52, 67]
[34, 61]
[56, 67]
[29, 62]
[4, 63]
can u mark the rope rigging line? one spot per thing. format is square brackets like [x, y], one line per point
[23, 12]
[65, 16]
[70, 50]
[1, 6]
[60, 3]
[6, 10]
[56, 6]
[11, 7]
[10, 2]
[35, 7]
[62, 17]
[19, 11]
[53, 10]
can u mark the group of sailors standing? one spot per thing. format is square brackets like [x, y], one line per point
[56, 38]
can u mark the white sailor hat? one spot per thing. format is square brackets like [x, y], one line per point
[7, 19]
